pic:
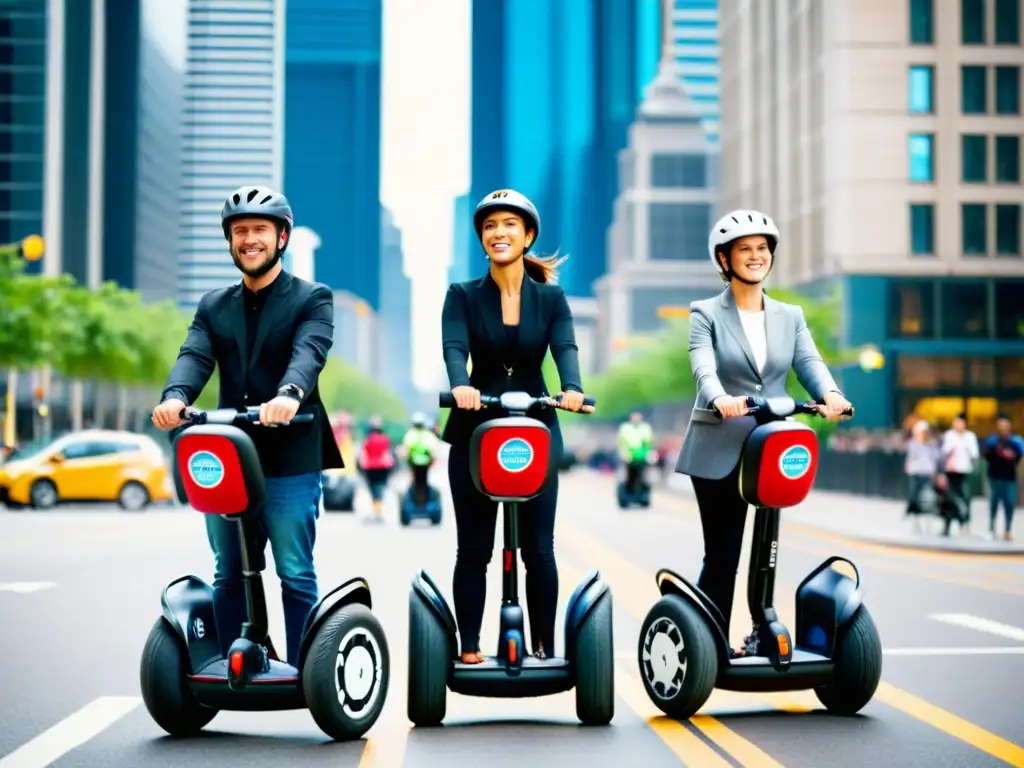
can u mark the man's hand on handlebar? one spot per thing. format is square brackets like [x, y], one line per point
[835, 405]
[278, 411]
[167, 415]
[730, 407]
[467, 398]
[573, 401]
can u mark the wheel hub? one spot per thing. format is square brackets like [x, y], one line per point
[357, 672]
[663, 659]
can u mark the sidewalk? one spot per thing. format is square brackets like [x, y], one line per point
[882, 521]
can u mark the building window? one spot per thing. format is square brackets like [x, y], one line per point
[922, 23]
[679, 171]
[972, 22]
[1010, 309]
[964, 310]
[1008, 159]
[1007, 22]
[922, 229]
[1007, 90]
[1008, 229]
[973, 90]
[912, 309]
[973, 230]
[678, 230]
[921, 90]
[920, 148]
[973, 158]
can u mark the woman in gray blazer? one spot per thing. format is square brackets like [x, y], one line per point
[742, 343]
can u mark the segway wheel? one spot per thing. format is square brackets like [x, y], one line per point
[345, 675]
[858, 667]
[622, 496]
[595, 666]
[678, 657]
[165, 691]
[430, 655]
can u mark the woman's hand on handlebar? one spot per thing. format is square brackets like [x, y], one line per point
[835, 405]
[730, 407]
[278, 411]
[573, 401]
[167, 415]
[467, 398]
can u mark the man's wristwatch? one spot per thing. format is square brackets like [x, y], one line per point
[292, 391]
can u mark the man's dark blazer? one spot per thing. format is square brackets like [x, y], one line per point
[294, 335]
[471, 326]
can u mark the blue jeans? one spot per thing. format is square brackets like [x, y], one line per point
[288, 522]
[1001, 492]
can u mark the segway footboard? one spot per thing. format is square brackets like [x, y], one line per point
[671, 583]
[825, 602]
[353, 591]
[187, 605]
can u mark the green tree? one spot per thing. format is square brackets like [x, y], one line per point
[32, 320]
[344, 387]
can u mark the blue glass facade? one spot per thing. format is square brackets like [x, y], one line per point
[463, 250]
[583, 76]
[697, 58]
[395, 310]
[332, 136]
[22, 119]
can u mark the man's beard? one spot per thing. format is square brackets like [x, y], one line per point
[258, 270]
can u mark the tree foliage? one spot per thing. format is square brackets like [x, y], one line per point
[109, 335]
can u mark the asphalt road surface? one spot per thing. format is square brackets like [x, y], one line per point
[79, 590]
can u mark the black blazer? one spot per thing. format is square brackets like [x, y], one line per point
[471, 326]
[295, 333]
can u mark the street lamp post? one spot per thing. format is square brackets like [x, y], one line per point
[31, 248]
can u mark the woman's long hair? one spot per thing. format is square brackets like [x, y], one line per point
[543, 269]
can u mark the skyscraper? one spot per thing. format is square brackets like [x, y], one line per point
[697, 58]
[557, 140]
[463, 242]
[234, 127]
[332, 136]
[395, 310]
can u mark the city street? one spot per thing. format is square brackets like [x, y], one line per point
[80, 588]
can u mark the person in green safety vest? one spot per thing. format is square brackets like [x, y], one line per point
[420, 447]
[636, 441]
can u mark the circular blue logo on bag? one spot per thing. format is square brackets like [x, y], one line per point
[205, 469]
[515, 454]
[795, 462]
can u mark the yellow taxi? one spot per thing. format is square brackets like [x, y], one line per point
[93, 465]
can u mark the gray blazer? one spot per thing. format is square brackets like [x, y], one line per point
[723, 364]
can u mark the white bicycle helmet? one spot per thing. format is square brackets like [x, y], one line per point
[740, 224]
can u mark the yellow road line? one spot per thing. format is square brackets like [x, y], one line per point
[746, 752]
[623, 571]
[951, 724]
[387, 741]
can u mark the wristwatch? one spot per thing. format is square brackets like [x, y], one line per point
[291, 390]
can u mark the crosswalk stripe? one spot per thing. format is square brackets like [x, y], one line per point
[982, 625]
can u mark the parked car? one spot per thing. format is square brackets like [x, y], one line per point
[92, 466]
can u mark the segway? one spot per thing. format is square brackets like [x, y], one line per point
[344, 662]
[510, 463]
[639, 495]
[411, 509]
[683, 649]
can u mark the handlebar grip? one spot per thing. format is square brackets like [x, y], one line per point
[302, 418]
[446, 400]
[591, 401]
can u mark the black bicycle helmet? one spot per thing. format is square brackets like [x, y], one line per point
[256, 201]
[508, 200]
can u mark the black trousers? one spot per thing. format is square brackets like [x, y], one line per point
[723, 515]
[475, 519]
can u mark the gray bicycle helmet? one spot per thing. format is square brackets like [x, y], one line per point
[508, 200]
[256, 201]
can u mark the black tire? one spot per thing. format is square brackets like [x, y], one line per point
[351, 630]
[430, 656]
[858, 670]
[125, 498]
[43, 494]
[165, 691]
[621, 496]
[682, 691]
[595, 665]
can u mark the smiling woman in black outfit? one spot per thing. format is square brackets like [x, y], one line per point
[506, 321]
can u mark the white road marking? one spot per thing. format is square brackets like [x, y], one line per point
[982, 625]
[24, 587]
[991, 650]
[71, 732]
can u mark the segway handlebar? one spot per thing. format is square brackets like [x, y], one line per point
[512, 401]
[778, 408]
[250, 415]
